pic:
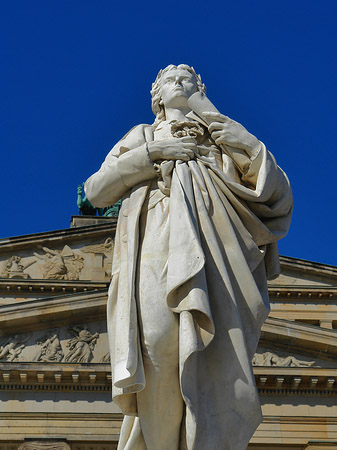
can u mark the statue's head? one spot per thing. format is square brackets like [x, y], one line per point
[161, 87]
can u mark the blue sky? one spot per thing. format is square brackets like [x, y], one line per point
[76, 77]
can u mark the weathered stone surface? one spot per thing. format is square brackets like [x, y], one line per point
[203, 206]
[82, 253]
[77, 343]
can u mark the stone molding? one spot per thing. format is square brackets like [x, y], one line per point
[57, 236]
[295, 432]
[34, 314]
[296, 380]
[18, 286]
[44, 444]
[302, 293]
[55, 377]
[97, 377]
[83, 431]
[305, 266]
[321, 446]
[298, 337]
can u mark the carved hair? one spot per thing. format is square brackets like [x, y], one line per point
[157, 101]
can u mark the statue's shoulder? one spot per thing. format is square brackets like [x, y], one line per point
[136, 137]
[138, 133]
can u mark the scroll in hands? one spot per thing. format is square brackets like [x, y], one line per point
[225, 131]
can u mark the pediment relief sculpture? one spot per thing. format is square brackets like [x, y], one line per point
[81, 346]
[12, 347]
[15, 268]
[75, 344]
[104, 248]
[60, 265]
[49, 348]
[43, 444]
[270, 359]
[83, 262]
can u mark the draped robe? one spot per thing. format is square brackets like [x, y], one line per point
[225, 218]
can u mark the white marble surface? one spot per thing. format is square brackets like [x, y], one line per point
[204, 204]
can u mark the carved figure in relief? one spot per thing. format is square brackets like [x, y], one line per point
[81, 346]
[13, 354]
[50, 348]
[203, 206]
[65, 265]
[44, 445]
[14, 264]
[14, 268]
[74, 264]
[54, 267]
[272, 359]
[12, 348]
[104, 248]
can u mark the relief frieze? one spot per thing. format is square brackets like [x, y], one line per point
[49, 348]
[43, 444]
[105, 248]
[56, 265]
[78, 262]
[11, 348]
[269, 359]
[81, 345]
[14, 268]
[76, 344]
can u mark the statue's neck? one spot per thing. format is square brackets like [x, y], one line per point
[176, 114]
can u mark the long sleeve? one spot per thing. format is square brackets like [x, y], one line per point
[126, 165]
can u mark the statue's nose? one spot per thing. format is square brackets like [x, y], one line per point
[178, 81]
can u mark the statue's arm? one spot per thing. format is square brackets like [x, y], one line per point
[127, 165]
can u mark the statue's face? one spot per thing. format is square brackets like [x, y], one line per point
[177, 86]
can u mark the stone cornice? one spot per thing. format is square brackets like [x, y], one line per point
[305, 293]
[296, 380]
[303, 265]
[97, 377]
[62, 415]
[55, 376]
[297, 337]
[58, 311]
[56, 236]
[17, 286]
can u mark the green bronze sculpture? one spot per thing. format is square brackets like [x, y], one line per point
[85, 208]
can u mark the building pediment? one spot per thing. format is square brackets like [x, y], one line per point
[75, 256]
[299, 338]
[300, 272]
[48, 312]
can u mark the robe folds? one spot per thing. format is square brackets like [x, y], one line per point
[224, 224]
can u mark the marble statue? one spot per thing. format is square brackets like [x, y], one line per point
[203, 206]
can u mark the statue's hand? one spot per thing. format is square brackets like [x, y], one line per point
[226, 131]
[173, 149]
